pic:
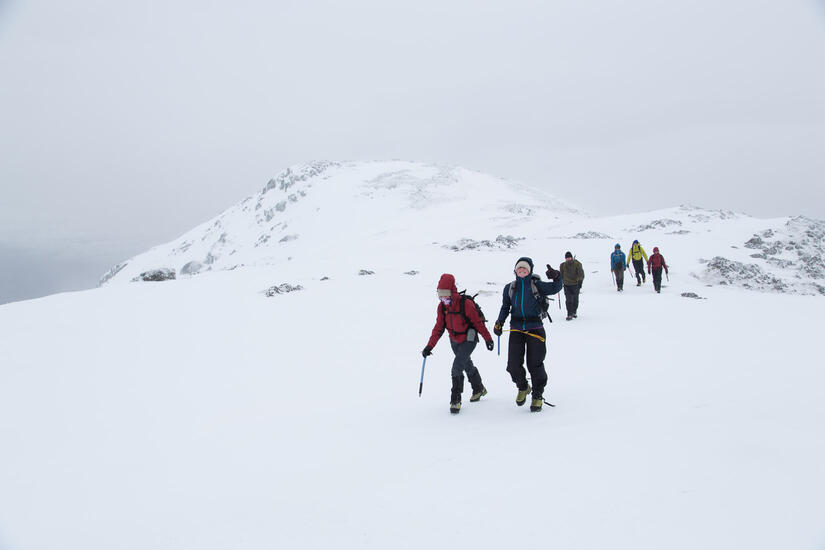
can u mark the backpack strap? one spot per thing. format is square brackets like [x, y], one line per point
[461, 300]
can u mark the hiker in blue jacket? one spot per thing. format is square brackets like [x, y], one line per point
[617, 266]
[526, 300]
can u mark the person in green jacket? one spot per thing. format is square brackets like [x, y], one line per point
[635, 255]
[572, 274]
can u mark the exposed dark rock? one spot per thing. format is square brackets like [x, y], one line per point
[282, 288]
[366, 272]
[729, 272]
[294, 175]
[411, 272]
[501, 242]
[159, 274]
[590, 235]
[655, 224]
[692, 295]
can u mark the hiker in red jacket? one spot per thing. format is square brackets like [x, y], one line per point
[458, 314]
[656, 263]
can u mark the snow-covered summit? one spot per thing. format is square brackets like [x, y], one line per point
[327, 218]
[356, 208]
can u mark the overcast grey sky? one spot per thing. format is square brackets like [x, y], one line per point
[124, 124]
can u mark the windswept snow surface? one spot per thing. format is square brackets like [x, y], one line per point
[199, 413]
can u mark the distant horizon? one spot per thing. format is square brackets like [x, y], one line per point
[123, 128]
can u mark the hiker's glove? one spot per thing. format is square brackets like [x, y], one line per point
[427, 351]
[497, 329]
[552, 273]
[580, 287]
[490, 345]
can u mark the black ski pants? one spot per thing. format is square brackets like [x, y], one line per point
[657, 278]
[639, 268]
[619, 272]
[461, 364]
[571, 299]
[536, 352]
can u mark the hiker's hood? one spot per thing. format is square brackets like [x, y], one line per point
[526, 260]
[447, 282]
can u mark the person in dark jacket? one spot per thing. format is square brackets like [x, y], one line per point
[655, 264]
[617, 266]
[459, 316]
[522, 300]
[572, 275]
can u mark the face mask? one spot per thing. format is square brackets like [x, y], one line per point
[445, 300]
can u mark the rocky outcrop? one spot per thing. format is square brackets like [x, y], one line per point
[159, 274]
[283, 288]
[500, 242]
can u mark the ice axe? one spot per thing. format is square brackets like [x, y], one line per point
[421, 384]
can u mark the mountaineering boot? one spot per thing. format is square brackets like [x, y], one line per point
[575, 316]
[455, 408]
[535, 404]
[638, 283]
[478, 394]
[522, 395]
[569, 318]
[478, 387]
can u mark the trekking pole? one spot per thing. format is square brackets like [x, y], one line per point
[421, 384]
[667, 276]
[613, 276]
[498, 347]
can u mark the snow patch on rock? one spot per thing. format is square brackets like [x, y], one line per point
[500, 242]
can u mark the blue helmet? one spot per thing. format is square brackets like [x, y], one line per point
[618, 246]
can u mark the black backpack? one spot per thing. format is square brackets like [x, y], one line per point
[542, 299]
[462, 305]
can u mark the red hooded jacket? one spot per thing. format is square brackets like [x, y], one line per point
[657, 261]
[450, 317]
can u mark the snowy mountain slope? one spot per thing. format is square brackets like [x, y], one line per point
[309, 213]
[321, 208]
[200, 413]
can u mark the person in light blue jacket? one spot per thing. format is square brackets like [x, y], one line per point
[618, 265]
[526, 300]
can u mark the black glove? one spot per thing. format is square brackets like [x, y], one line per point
[490, 345]
[552, 273]
[497, 329]
[580, 287]
[427, 351]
